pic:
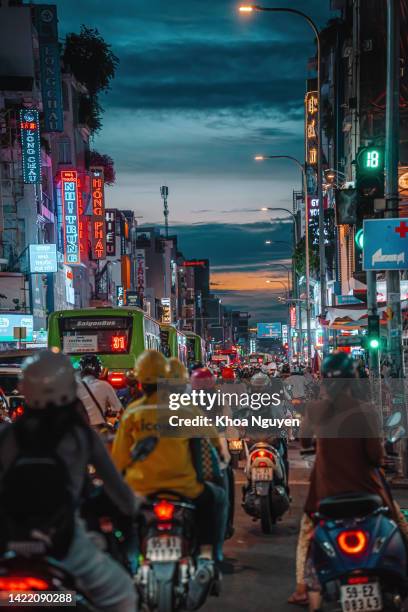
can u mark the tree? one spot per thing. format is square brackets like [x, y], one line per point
[108, 165]
[91, 59]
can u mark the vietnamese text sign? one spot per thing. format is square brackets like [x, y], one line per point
[110, 217]
[98, 230]
[311, 136]
[165, 310]
[46, 23]
[69, 198]
[43, 258]
[140, 271]
[269, 330]
[385, 244]
[120, 295]
[30, 145]
[9, 321]
[80, 344]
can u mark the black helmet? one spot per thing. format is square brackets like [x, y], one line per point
[338, 365]
[90, 364]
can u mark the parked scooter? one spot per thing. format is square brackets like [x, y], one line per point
[265, 496]
[358, 552]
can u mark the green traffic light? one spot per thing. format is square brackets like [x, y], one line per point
[374, 343]
[359, 238]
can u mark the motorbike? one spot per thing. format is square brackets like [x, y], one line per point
[265, 496]
[168, 546]
[358, 553]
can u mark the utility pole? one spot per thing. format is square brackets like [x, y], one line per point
[164, 192]
[391, 178]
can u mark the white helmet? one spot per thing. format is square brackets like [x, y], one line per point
[48, 379]
[259, 380]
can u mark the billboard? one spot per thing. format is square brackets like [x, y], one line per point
[9, 321]
[269, 330]
[46, 23]
[70, 219]
[30, 145]
[43, 258]
[98, 230]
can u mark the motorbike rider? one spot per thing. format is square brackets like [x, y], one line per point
[169, 466]
[131, 391]
[98, 396]
[52, 423]
[344, 462]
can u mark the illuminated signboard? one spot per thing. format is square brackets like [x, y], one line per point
[98, 230]
[269, 330]
[69, 197]
[313, 205]
[46, 23]
[285, 334]
[43, 258]
[110, 218]
[9, 321]
[311, 135]
[83, 196]
[120, 295]
[165, 310]
[30, 145]
[197, 263]
[292, 315]
[140, 271]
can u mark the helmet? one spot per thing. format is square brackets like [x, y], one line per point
[176, 370]
[48, 379]
[90, 364]
[259, 380]
[227, 373]
[202, 378]
[338, 365]
[150, 367]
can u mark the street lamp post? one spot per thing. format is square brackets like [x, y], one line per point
[287, 290]
[249, 8]
[307, 254]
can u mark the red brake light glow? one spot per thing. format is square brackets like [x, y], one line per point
[164, 510]
[357, 580]
[117, 379]
[22, 583]
[352, 542]
[262, 454]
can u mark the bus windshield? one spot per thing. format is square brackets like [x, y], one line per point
[102, 335]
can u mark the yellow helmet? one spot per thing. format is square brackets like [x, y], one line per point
[176, 370]
[150, 367]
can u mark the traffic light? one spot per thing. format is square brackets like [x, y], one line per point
[370, 172]
[373, 332]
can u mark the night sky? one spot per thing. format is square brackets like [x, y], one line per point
[199, 91]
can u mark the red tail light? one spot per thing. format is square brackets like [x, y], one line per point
[23, 583]
[117, 379]
[358, 580]
[164, 510]
[262, 464]
[18, 412]
[352, 542]
[262, 454]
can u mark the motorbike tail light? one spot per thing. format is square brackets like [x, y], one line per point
[18, 412]
[117, 379]
[262, 464]
[358, 580]
[352, 542]
[23, 583]
[164, 510]
[262, 454]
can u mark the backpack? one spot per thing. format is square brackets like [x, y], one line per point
[37, 512]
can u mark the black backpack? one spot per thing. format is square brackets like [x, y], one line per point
[37, 511]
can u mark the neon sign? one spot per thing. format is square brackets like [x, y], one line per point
[98, 229]
[30, 145]
[69, 196]
[311, 136]
[196, 263]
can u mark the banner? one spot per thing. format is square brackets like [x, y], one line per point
[70, 219]
[30, 145]
[98, 231]
[46, 23]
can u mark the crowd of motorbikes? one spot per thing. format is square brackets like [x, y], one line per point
[358, 553]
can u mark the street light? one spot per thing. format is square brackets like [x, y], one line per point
[249, 8]
[307, 255]
[272, 242]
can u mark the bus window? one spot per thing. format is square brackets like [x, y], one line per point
[102, 335]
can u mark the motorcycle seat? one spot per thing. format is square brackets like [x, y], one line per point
[349, 505]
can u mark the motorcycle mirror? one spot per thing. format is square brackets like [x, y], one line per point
[144, 448]
[394, 419]
[396, 435]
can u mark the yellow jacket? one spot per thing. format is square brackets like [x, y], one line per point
[170, 464]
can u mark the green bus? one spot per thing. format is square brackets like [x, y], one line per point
[117, 335]
[173, 342]
[195, 348]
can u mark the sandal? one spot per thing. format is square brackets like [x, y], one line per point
[299, 599]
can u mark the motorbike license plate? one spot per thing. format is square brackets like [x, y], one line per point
[164, 548]
[235, 445]
[262, 473]
[364, 597]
